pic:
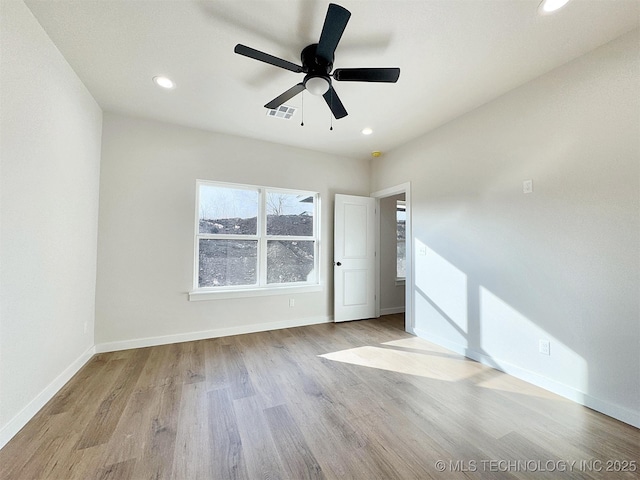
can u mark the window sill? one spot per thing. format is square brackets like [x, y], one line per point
[400, 281]
[202, 295]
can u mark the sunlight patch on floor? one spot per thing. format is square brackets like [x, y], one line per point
[424, 364]
[509, 384]
[417, 343]
[419, 357]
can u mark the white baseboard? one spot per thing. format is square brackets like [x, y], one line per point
[205, 334]
[391, 310]
[28, 412]
[615, 411]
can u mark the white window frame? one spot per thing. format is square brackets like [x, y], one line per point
[261, 287]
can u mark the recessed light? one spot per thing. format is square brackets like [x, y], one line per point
[367, 131]
[548, 6]
[164, 82]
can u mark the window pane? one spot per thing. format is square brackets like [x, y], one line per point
[227, 262]
[224, 210]
[401, 264]
[401, 221]
[289, 261]
[290, 214]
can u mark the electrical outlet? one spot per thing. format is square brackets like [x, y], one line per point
[544, 347]
[292, 302]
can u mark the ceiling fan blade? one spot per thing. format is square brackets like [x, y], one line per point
[280, 99]
[389, 75]
[266, 58]
[334, 24]
[338, 110]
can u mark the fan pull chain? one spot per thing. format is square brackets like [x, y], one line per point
[331, 112]
[302, 110]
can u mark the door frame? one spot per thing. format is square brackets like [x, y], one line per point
[405, 188]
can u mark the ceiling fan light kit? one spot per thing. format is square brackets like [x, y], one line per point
[317, 85]
[317, 63]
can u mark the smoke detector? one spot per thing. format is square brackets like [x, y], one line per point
[283, 111]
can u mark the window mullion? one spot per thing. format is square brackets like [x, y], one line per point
[290, 238]
[262, 224]
[225, 236]
[224, 198]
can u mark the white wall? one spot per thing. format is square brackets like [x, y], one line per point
[147, 209]
[50, 129]
[391, 295]
[497, 270]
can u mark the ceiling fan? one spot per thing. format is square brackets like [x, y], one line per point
[317, 63]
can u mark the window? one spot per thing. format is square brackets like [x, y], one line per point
[401, 245]
[250, 237]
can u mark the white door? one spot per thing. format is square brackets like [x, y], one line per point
[354, 258]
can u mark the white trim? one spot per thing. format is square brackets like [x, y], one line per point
[607, 408]
[200, 295]
[206, 334]
[33, 407]
[261, 236]
[405, 188]
[391, 191]
[392, 310]
[378, 258]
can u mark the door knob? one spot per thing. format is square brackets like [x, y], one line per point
[339, 264]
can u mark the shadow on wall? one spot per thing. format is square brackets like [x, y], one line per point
[454, 311]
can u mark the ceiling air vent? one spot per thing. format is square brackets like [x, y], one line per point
[283, 111]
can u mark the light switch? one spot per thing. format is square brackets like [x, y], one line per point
[527, 186]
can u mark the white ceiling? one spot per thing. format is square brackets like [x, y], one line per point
[454, 55]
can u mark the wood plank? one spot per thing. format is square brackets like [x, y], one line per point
[101, 427]
[66, 398]
[379, 404]
[193, 364]
[214, 364]
[226, 445]
[192, 453]
[264, 367]
[258, 446]
[159, 438]
[236, 372]
[136, 417]
[29, 445]
[295, 454]
[117, 471]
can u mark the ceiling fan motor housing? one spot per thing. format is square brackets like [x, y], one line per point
[312, 64]
[317, 64]
[317, 81]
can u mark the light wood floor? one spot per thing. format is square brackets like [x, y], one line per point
[360, 400]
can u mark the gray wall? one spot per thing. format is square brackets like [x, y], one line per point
[497, 270]
[50, 130]
[146, 234]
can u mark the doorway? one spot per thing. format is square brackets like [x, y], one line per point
[394, 274]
